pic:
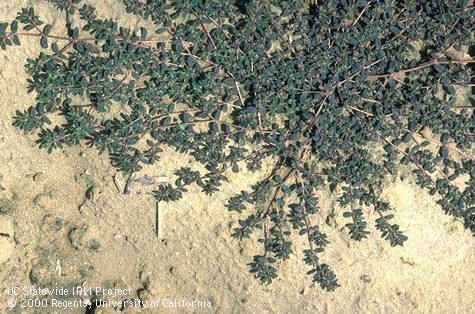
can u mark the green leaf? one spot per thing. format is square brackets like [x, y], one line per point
[3, 27]
[186, 117]
[16, 40]
[444, 152]
[44, 42]
[143, 33]
[214, 127]
[235, 168]
[47, 29]
[14, 26]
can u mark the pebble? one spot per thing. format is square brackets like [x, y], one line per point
[39, 177]
[95, 245]
[5, 207]
[76, 237]
[365, 278]
[40, 273]
[144, 295]
[42, 200]
[7, 244]
[52, 223]
[91, 193]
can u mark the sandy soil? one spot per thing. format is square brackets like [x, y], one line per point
[59, 237]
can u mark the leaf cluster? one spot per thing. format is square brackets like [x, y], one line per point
[309, 86]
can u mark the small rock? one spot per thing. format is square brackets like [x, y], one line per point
[144, 295]
[220, 231]
[39, 177]
[146, 180]
[6, 238]
[94, 245]
[331, 221]
[7, 201]
[407, 261]
[365, 278]
[5, 207]
[76, 237]
[91, 193]
[52, 223]
[41, 274]
[42, 200]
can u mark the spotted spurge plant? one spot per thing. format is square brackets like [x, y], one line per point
[314, 87]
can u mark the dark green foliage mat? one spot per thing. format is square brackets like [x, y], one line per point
[308, 86]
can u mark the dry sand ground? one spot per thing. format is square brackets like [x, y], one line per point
[109, 241]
